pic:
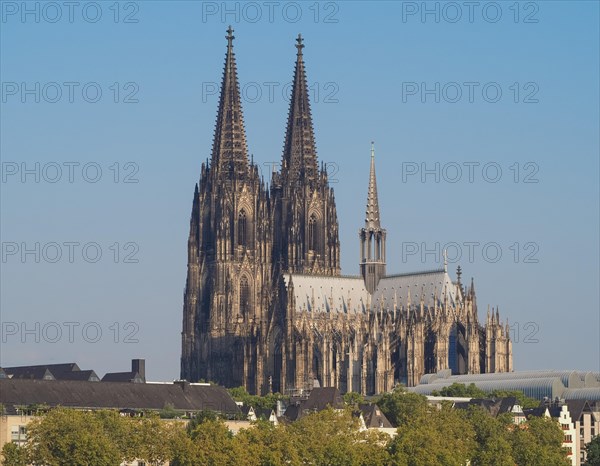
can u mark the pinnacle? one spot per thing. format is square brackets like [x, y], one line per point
[230, 153]
[299, 151]
[372, 220]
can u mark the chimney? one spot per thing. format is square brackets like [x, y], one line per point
[139, 366]
[182, 383]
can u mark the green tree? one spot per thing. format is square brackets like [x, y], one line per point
[13, 455]
[239, 394]
[268, 401]
[353, 398]
[332, 437]
[169, 412]
[492, 437]
[434, 437]
[118, 430]
[104, 437]
[401, 406]
[523, 400]
[74, 438]
[461, 390]
[593, 452]
[265, 444]
[538, 442]
[209, 443]
[201, 417]
[152, 439]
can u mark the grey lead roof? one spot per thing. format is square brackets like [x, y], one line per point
[430, 285]
[349, 295]
[117, 395]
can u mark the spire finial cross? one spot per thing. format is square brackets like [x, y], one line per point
[299, 44]
[230, 35]
[373, 149]
[445, 260]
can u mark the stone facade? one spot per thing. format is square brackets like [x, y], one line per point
[265, 305]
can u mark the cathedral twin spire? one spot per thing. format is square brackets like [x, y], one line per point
[230, 151]
[299, 152]
[299, 161]
[301, 205]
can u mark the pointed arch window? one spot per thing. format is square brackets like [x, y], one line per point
[312, 232]
[242, 228]
[244, 296]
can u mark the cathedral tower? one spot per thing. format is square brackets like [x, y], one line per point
[372, 236]
[229, 254]
[306, 237]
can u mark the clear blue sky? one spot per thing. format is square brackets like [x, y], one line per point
[370, 65]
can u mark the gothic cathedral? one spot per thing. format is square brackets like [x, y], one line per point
[265, 304]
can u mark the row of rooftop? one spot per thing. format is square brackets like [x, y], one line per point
[571, 397]
[25, 389]
[538, 384]
[19, 395]
[71, 371]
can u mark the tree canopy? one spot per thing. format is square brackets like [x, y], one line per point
[261, 402]
[593, 452]
[426, 435]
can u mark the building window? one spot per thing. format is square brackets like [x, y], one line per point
[242, 228]
[312, 232]
[244, 296]
[18, 434]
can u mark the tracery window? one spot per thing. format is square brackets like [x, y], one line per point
[242, 228]
[312, 232]
[244, 296]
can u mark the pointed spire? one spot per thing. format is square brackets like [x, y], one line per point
[372, 220]
[195, 218]
[299, 151]
[230, 152]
